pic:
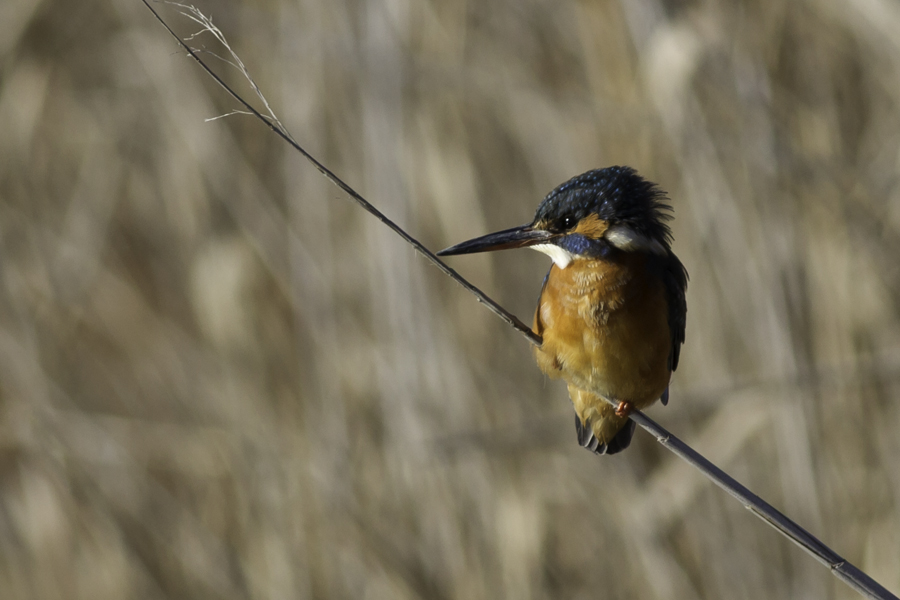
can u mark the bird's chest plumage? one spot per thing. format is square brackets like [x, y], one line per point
[605, 328]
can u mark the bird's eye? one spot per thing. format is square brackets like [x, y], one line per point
[568, 222]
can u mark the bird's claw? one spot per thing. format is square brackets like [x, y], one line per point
[624, 409]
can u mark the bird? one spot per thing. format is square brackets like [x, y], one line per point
[611, 313]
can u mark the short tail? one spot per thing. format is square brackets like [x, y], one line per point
[620, 441]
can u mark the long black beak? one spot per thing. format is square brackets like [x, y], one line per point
[517, 237]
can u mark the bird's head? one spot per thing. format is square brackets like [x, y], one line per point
[593, 215]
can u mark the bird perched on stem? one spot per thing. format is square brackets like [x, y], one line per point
[612, 309]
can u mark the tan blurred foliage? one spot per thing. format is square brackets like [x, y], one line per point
[219, 379]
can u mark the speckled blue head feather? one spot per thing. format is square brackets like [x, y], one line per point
[615, 194]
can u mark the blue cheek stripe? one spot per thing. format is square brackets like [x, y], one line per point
[580, 245]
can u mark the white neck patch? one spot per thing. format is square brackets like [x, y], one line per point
[561, 257]
[627, 239]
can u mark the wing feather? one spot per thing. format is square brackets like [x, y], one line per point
[675, 278]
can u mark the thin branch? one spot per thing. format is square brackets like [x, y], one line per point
[228, 114]
[275, 125]
[840, 567]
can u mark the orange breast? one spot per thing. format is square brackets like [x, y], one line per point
[605, 329]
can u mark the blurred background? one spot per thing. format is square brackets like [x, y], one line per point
[220, 379]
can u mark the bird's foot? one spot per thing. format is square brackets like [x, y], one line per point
[624, 409]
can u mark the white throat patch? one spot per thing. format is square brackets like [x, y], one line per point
[561, 257]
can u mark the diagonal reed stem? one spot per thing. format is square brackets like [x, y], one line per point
[841, 568]
[275, 125]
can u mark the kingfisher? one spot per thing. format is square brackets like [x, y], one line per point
[612, 308]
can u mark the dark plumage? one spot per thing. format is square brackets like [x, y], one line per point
[615, 194]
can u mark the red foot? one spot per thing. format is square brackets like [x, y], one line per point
[624, 409]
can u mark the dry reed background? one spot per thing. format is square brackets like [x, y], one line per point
[218, 379]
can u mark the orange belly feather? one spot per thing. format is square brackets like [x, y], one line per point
[605, 329]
